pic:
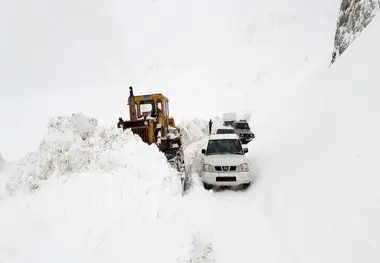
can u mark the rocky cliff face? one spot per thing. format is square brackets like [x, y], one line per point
[353, 17]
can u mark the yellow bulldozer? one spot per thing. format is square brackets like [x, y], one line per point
[150, 119]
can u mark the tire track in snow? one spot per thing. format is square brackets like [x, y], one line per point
[231, 225]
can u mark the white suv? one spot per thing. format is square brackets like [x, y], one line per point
[224, 162]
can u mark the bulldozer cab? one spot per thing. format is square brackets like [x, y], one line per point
[150, 106]
[153, 109]
[153, 105]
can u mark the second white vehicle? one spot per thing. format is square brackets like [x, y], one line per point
[224, 162]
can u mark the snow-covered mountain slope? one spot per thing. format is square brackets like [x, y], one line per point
[63, 57]
[318, 161]
[354, 16]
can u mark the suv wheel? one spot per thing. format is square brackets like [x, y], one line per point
[245, 186]
[207, 186]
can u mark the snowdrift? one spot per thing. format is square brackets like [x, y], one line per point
[197, 129]
[319, 162]
[93, 194]
[76, 144]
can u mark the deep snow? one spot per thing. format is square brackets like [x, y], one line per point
[91, 194]
[318, 161]
[316, 198]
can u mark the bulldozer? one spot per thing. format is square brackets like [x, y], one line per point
[149, 118]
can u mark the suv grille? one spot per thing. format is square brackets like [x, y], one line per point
[225, 168]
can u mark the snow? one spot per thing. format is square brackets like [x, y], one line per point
[318, 161]
[2, 161]
[229, 116]
[86, 190]
[223, 136]
[194, 130]
[197, 129]
[92, 193]
[77, 144]
[243, 55]
[87, 194]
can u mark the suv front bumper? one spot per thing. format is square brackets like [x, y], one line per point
[225, 179]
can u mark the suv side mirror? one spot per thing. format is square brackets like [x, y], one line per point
[245, 150]
[203, 151]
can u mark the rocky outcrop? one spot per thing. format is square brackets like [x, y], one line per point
[353, 17]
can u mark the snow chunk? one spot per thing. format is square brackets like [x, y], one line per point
[195, 130]
[229, 116]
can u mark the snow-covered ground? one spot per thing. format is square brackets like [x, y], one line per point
[318, 161]
[91, 193]
[316, 198]
[88, 194]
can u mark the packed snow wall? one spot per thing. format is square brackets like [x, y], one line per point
[319, 161]
[89, 190]
[77, 144]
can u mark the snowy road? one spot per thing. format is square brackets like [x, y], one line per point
[235, 227]
[132, 216]
[231, 222]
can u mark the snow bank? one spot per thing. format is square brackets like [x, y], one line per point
[320, 177]
[76, 144]
[196, 129]
[102, 195]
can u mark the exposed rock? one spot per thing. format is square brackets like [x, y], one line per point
[353, 17]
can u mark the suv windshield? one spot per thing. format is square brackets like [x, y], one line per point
[224, 146]
[225, 131]
[242, 126]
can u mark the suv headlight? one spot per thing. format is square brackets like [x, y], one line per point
[243, 167]
[208, 168]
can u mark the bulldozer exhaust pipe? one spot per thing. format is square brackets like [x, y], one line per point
[132, 105]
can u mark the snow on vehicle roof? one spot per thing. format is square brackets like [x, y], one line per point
[229, 116]
[226, 128]
[223, 136]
